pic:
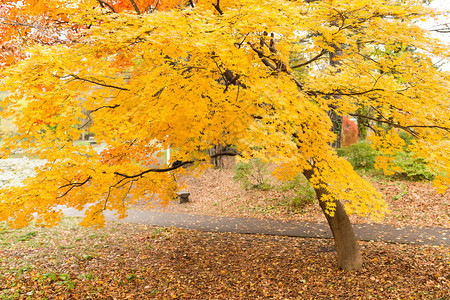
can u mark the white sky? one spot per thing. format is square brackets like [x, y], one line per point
[443, 5]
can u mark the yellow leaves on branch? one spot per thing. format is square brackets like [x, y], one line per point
[252, 74]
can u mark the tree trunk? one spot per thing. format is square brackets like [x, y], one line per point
[335, 118]
[348, 255]
[218, 161]
[336, 121]
[347, 249]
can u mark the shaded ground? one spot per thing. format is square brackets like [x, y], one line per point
[125, 261]
[215, 193]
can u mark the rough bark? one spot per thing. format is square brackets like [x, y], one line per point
[347, 249]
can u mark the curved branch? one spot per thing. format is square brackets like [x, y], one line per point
[217, 7]
[73, 185]
[155, 170]
[178, 164]
[98, 108]
[103, 4]
[311, 60]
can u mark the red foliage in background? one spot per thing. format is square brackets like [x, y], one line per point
[349, 132]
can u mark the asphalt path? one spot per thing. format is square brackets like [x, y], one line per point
[364, 232]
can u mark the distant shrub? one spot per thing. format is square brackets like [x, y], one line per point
[413, 168]
[252, 174]
[304, 193]
[360, 155]
[349, 133]
[408, 138]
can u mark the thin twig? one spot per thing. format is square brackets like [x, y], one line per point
[217, 7]
[311, 60]
[96, 82]
[103, 4]
[72, 186]
[98, 108]
[136, 8]
[348, 93]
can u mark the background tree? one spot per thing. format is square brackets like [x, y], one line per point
[194, 74]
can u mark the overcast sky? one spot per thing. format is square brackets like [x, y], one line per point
[442, 5]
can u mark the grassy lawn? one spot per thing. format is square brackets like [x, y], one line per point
[123, 261]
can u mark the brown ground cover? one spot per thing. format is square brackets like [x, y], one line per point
[214, 192]
[123, 261]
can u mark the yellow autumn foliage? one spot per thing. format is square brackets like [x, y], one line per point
[191, 77]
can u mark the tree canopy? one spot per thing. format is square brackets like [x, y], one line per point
[258, 75]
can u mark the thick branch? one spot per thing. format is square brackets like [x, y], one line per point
[179, 164]
[226, 153]
[276, 65]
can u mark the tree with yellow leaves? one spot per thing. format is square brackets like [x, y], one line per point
[262, 76]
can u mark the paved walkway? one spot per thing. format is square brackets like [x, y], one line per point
[13, 170]
[365, 232]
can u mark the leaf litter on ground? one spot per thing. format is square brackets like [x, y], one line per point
[125, 261]
[411, 203]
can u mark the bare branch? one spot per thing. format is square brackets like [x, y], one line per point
[136, 8]
[428, 126]
[217, 7]
[337, 93]
[311, 60]
[72, 185]
[176, 166]
[103, 4]
[106, 106]
[93, 81]
[89, 114]
[155, 170]
[275, 65]
[407, 128]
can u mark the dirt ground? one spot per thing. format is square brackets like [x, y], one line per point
[214, 192]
